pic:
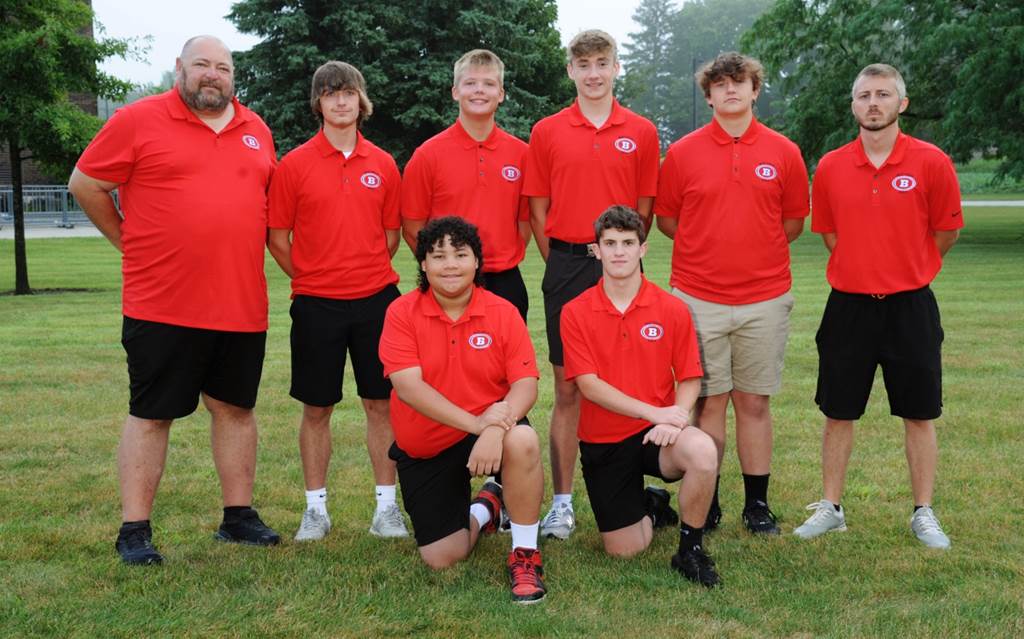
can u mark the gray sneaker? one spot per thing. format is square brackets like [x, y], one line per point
[559, 522]
[389, 523]
[825, 519]
[926, 526]
[314, 526]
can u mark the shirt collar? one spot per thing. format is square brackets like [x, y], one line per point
[644, 297]
[430, 308]
[615, 118]
[178, 110]
[467, 141]
[720, 135]
[326, 149]
[899, 150]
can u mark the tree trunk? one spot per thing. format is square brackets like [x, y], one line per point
[21, 286]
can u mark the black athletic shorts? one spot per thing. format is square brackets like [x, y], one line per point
[901, 332]
[323, 331]
[570, 270]
[169, 366]
[509, 285]
[435, 491]
[614, 474]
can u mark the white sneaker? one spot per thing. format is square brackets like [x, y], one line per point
[825, 519]
[314, 526]
[559, 522]
[926, 526]
[389, 522]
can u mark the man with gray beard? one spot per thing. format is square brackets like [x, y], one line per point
[192, 167]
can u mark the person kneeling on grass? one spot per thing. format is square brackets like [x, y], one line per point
[632, 350]
[464, 376]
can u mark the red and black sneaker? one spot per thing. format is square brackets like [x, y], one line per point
[490, 497]
[525, 571]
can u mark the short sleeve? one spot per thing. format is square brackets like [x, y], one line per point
[390, 215]
[795, 196]
[650, 155]
[669, 201]
[821, 211]
[944, 202]
[111, 154]
[398, 347]
[579, 360]
[538, 173]
[417, 187]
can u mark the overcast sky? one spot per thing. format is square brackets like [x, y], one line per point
[171, 23]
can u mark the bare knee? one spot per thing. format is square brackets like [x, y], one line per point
[316, 416]
[522, 442]
[696, 451]
[377, 410]
[223, 410]
[440, 560]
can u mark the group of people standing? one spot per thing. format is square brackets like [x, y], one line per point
[446, 373]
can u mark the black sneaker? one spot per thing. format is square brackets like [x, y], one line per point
[695, 565]
[760, 520]
[135, 545]
[713, 519]
[247, 528]
[657, 504]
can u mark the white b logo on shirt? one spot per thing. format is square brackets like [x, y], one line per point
[652, 332]
[766, 171]
[480, 341]
[370, 180]
[626, 145]
[510, 173]
[251, 141]
[904, 183]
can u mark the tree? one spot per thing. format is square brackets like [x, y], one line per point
[959, 59]
[405, 50]
[47, 52]
[673, 43]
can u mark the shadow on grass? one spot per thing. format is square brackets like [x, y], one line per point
[56, 291]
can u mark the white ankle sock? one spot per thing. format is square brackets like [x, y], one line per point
[480, 513]
[562, 499]
[317, 500]
[386, 495]
[525, 535]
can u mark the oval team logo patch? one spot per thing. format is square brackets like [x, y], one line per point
[370, 180]
[251, 141]
[510, 173]
[904, 183]
[626, 145]
[766, 171]
[652, 332]
[480, 341]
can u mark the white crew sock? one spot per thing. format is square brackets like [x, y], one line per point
[480, 513]
[385, 497]
[565, 498]
[525, 535]
[317, 500]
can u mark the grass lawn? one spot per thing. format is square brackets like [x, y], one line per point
[63, 395]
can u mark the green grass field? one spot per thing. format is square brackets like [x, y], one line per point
[63, 395]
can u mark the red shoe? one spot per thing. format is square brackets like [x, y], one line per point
[525, 571]
[490, 497]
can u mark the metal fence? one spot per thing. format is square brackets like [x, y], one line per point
[45, 205]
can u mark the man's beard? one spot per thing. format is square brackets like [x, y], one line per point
[204, 101]
[878, 126]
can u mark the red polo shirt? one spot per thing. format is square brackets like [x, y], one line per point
[642, 352]
[337, 209]
[584, 170]
[885, 219]
[195, 212]
[453, 174]
[472, 361]
[729, 197]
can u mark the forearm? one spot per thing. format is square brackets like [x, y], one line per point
[944, 240]
[538, 219]
[830, 240]
[525, 231]
[644, 205]
[610, 398]
[280, 245]
[792, 227]
[522, 395]
[98, 206]
[667, 226]
[410, 229]
[429, 402]
[687, 392]
[391, 236]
